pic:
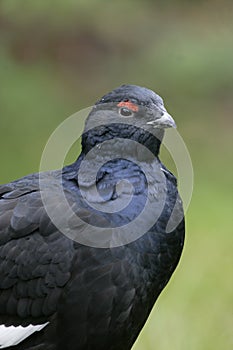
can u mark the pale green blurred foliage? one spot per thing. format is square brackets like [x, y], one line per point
[57, 57]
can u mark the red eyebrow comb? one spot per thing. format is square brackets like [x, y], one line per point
[129, 105]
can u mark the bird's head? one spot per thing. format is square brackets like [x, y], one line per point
[128, 112]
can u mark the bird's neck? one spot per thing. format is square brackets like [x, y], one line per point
[115, 142]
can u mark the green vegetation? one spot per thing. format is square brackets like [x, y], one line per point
[57, 57]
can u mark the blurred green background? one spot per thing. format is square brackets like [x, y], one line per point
[57, 57]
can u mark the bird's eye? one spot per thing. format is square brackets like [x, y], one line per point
[126, 112]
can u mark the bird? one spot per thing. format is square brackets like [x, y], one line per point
[86, 274]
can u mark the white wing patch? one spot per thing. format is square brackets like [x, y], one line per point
[14, 335]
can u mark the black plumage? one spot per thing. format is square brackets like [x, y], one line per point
[90, 297]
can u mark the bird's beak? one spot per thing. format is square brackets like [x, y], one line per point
[163, 121]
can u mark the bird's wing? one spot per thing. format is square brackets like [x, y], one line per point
[36, 263]
[35, 258]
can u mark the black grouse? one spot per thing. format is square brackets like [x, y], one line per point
[86, 251]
